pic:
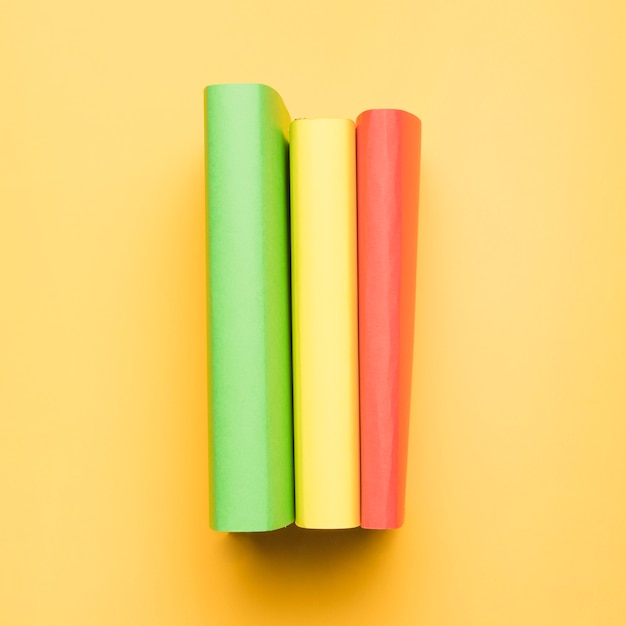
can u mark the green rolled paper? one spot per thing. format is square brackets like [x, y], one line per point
[250, 398]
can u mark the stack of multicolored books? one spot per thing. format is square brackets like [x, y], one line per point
[312, 245]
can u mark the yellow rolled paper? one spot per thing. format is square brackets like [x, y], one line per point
[325, 331]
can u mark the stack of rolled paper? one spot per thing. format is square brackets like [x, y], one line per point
[312, 240]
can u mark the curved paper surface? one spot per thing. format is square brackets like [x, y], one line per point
[324, 292]
[388, 162]
[251, 458]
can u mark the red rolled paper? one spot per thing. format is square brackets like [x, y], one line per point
[388, 168]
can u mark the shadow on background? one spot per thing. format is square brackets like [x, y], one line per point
[298, 568]
[319, 549]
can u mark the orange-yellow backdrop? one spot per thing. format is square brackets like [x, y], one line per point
[517, 485]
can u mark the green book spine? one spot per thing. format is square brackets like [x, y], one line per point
[249, 328]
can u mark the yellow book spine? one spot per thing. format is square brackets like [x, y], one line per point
[325, 329]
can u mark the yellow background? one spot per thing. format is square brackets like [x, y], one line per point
[517, 480]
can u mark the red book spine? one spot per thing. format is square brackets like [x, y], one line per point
[388, 172]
